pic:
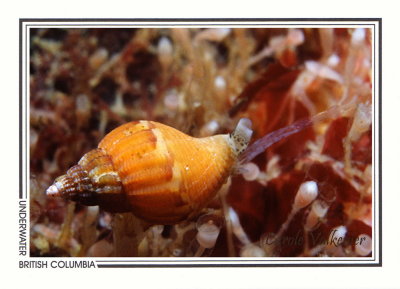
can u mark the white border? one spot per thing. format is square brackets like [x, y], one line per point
[193, 262]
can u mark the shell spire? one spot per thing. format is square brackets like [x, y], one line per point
[92, 181]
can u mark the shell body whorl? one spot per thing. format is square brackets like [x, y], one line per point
[166, 174]
[159, 173]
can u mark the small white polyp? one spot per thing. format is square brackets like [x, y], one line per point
[307, 193]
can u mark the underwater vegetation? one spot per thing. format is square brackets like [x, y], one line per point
[303, 194]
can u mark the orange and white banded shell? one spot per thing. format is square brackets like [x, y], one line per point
[155, 171]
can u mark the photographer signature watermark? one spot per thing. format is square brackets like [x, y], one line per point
[336, 238]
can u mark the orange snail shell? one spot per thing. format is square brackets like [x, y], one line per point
[155, 171]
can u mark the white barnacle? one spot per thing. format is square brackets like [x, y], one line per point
[240, 137]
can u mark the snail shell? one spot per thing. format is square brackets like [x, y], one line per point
[155, 171]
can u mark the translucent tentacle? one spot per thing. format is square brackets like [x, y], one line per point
[269, 139]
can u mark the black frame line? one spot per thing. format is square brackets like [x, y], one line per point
[20, 109]
[197, 19]
[101, 266]
[380, 138]
[213, 22]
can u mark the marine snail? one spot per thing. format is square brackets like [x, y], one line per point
[159, 173]
[155, 171]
